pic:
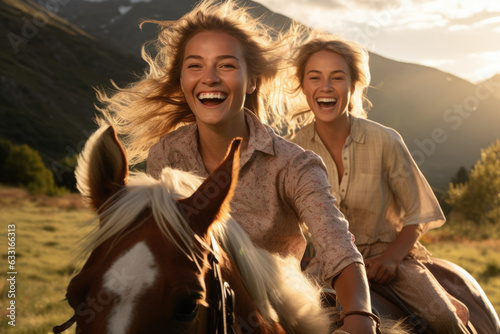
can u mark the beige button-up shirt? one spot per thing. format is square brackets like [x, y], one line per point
[382, 189]
[279, 186]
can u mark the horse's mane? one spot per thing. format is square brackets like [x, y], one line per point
[274, 283]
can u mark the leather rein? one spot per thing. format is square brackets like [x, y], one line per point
[223, 301]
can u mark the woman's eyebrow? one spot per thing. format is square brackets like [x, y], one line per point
[332, 72]
[221, 57]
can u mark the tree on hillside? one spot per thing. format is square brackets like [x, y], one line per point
[5, 147]
[479, 198]
[24, 167]
[64, 170]
[462, 176]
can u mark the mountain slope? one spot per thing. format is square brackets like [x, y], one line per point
[47, 74]
[444, 120]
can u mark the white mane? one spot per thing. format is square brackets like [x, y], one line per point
[281, 292]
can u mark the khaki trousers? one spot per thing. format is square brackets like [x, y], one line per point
[418, 288]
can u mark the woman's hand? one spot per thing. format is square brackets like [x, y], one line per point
[381, 269]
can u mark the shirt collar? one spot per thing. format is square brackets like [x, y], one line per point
[260, 139]
[357, 131]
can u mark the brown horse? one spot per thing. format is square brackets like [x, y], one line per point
[167, 258]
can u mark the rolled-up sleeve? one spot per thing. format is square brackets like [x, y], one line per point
[412, 189]
[309, 194]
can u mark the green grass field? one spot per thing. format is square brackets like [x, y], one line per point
[46, 238]
[47, 233]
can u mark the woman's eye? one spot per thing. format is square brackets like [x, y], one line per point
[193, 66]
[227, 66]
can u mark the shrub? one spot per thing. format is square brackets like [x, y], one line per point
[24, 167]
[478, 199]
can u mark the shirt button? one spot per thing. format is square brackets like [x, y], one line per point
[345, 158]
[342, 190]
[345, 173]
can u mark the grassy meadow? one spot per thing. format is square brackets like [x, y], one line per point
[47, 231]
[47, 234]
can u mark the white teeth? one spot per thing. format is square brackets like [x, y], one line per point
[326, 100]
[215, 95]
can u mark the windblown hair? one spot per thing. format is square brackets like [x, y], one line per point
[356, 58]
[154, 105]
[278, 287]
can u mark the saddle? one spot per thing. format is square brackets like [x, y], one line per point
[417, 323]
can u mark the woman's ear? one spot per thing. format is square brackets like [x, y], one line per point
[252, 84]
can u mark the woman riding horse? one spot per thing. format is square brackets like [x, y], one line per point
[379, 187]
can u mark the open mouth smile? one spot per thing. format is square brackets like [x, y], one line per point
[326, 102]
[212, 99]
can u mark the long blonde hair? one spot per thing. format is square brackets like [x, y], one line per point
[153, 106]
[356, 58]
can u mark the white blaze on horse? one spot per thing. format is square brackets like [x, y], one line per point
[167, 257]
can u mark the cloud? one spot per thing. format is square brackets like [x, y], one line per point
[480, 18]
[487, 65]
[490, 21]
[325, 4]
[438, 62]
[488, 55]
[377, 5]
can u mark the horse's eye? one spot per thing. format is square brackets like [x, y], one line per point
[187, 308]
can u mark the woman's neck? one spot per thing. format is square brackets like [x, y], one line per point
[214, 141]
[334, 134]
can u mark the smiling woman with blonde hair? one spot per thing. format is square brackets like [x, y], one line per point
[155, 105]
[378, 186]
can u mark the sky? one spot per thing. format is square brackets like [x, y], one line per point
[461, 37]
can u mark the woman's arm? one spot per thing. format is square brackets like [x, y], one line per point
[336, 255]
[382, 269]
[354, 295]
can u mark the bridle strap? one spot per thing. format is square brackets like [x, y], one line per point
[61, 328]
[223, 299]
[222, 303]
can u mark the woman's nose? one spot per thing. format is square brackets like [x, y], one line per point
[326, 85]
[210, 77]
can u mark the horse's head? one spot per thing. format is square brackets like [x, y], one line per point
[148, 259]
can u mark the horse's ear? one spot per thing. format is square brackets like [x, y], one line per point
[211, 200]
[102, 167]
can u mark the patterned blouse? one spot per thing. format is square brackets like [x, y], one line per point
[280, 186]
[382, 189]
